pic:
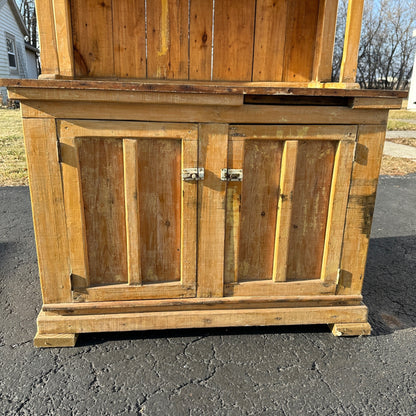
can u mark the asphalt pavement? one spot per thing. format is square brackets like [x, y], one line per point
[300, 370]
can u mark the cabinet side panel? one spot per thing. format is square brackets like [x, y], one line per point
[101, 166]
[314, 168]
[360, 207]
[159, 185]
[48, 209]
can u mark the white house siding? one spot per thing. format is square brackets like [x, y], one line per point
[26, 66]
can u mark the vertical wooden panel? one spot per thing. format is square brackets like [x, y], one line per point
[232, 223]
[74, 212]
[337, 210]
[284, 213]
[48, 209]
[233, 39]
[348, 71]
[269, 40]
[314, 168]
[211, 215]
[259, 197]
[129, 39]
[189, 215]
[360, 208]
[62, 19]
[93, 37]
[167, 39]
[302, 18]
[131, 195]
[159, 184]
[47, 38]
[325, 39]
[101, 165]
[200, 40]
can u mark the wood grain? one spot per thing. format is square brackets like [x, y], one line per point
[102, 181]
[233, 39]
[167, 39]
[129, 38]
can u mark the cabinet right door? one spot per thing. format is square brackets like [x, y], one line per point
[285, 218]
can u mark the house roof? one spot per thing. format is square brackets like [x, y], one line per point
[17, 15]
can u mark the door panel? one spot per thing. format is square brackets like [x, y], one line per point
[131, 219]
[284, 221]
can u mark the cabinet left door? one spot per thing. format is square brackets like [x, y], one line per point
[131, 219]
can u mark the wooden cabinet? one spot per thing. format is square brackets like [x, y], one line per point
[193, 164]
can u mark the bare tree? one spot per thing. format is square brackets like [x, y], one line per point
[387, 47]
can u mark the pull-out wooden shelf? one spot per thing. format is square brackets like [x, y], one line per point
[124, 243]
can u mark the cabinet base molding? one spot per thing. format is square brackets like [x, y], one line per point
[55, 340]
[341, 317]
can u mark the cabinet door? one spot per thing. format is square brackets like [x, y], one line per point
[285, 219]
[131, 219]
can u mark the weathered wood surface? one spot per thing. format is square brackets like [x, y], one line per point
[197, 87]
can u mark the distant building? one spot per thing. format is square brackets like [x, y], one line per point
[17, 57]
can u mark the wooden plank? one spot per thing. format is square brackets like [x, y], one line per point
[337, 210]
[382, 103]
[232, 223]
[270, 33]
[54, 340]
[167, 39]
[325, 40]
[95, 128]
[233, 39]
[102, 182]
[242, 302]
[213, 142]
[259, 199]
[308, 287]
[189, 202]
[48, 209]
[47, 37]
[131, 196]
[351, 329]
[74, 212]
[251, 114]
[159, 185]
[302, 19]
[58, 94]
[63, 31]
[210, 87]
[200, 319]
[92, 31]
[284, 212]
[360, 207]
[292, 132]
[200, 40]
[348, 70]
[129, 39]
[123, 292]
[314, 168]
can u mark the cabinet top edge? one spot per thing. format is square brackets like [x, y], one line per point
[185, 87]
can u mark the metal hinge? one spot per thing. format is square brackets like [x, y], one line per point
[193, 174]
[232, 175]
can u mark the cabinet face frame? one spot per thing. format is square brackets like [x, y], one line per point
[70, 136]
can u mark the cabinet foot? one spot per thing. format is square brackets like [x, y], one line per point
[350, 329]
[55, 340]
